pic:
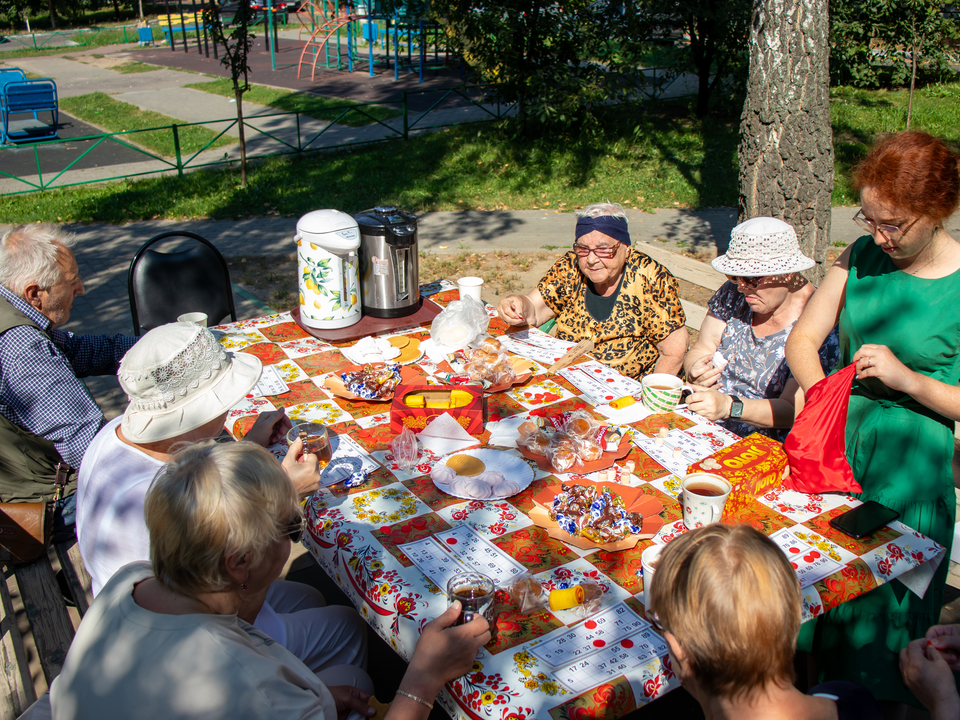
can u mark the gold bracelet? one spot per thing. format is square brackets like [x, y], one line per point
[414, 697]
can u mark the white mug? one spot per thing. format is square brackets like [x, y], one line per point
[648, 561]
[470, 287]
[197, 318]
[704, 497]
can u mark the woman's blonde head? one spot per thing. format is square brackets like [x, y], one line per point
[211, 500]
[731, 599]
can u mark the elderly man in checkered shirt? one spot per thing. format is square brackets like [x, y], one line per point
[47, 416]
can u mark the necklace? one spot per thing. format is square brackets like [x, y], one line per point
[196, 599]
[914, 272]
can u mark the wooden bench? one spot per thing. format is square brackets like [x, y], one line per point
[50, 625]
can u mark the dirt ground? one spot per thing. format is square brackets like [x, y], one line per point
[273, 279]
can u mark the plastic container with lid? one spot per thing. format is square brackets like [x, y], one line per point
[328, 269]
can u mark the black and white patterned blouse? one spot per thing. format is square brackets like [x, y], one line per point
[756, 366]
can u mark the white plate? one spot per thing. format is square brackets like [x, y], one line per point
[510, 466]
[358, 359]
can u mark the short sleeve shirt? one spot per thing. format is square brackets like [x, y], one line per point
[645, 313]
[756, 366]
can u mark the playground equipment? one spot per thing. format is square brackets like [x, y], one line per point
[19, 97]
[326, 24]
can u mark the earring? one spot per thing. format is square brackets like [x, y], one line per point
[243, 586]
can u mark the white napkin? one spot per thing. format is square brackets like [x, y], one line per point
[503, 433]
[918, 579]
[625, 416]
[436, 352]
[444, 435]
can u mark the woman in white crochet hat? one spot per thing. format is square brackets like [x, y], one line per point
[737, 364]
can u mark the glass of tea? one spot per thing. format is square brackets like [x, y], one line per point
[704, 497]
[316, 440]
[476, 593]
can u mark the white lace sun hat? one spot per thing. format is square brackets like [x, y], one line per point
[762, 246]
[178, 378]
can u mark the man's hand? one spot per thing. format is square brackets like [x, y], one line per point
[350, 699]
[516, 310]
[927, 674]
[270, 428]
[303, 470]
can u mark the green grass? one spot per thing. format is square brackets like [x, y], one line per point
[87, 40]
[134, 66]
[313, 105]
[859, 116]
[103, 111]
[653, 157]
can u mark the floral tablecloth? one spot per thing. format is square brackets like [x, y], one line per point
[354, 534]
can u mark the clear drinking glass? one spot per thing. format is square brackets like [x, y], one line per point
[316, 440]
[476, 593]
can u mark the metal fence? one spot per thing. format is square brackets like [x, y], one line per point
[90, 37]
[286, 133]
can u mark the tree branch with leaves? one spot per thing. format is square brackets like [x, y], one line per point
[236, 50]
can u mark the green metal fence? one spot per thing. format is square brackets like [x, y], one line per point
[89, 37]
[294, 138]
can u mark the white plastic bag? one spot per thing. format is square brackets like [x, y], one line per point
[460, 323]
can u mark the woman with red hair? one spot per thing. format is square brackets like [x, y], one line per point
[895, 294]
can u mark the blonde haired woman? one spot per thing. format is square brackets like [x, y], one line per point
[163, 640]
[729, 606]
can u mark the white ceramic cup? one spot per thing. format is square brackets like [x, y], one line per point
[470, 287]
[704, 497]
[648, 561]
[197, 318]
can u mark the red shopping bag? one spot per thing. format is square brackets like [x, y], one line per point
[816, 446]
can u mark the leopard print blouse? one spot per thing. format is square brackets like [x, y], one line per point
[646, 312]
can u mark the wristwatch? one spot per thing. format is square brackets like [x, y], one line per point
[736, 408]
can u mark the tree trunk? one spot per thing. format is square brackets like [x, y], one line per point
[116, 9]
[53, 15]
[243, 144]
[141, 10]
[786, 140]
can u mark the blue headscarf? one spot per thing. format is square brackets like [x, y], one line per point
[615, 227]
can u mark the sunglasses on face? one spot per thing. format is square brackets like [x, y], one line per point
[751, 282]
[294, 530]
[893, 233]
[604, 252]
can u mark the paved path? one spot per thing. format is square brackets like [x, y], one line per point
[104, 252]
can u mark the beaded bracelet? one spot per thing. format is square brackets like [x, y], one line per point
[414, 697]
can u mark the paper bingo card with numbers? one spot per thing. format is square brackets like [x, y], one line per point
[605, 645]
[459, 550]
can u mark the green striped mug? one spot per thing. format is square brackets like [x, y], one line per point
[661, 392]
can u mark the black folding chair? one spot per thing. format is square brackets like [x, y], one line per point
[165, 285]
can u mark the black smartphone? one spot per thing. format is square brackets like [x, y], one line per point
[864, 520]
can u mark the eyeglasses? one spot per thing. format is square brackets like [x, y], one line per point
[294, 530]
[751, 282]
[604, 252]
[893, 233]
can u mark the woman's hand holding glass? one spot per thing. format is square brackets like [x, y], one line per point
[303, 470]
[444, 652]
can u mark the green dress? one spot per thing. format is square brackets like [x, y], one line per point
[900, 453]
